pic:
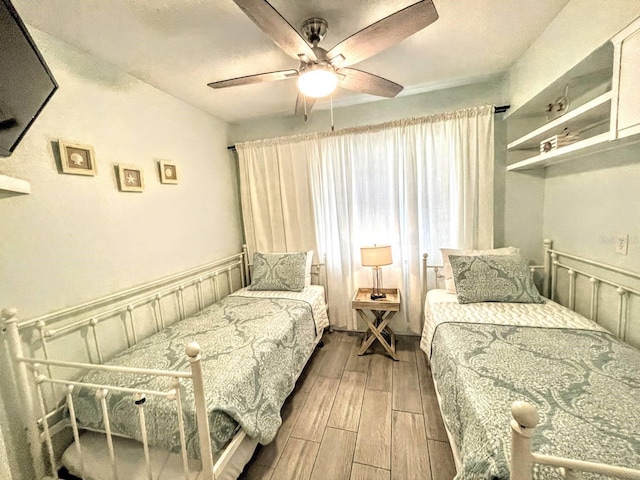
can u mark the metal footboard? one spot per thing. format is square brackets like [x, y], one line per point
[46, 384]
[525, 419]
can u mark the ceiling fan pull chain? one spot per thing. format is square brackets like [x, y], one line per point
[304, 99]
[331, 104]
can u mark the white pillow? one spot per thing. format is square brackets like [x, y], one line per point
[448, 272]
[307, 268]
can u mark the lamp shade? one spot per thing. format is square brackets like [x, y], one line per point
[317, 81]
[376, 256]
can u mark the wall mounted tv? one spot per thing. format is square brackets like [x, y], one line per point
[26, 84]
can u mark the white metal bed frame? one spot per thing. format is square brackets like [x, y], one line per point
[525, 415]
[43, 411]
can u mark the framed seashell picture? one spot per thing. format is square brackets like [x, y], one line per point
[168, 172]
[77, 159]
[130, 178]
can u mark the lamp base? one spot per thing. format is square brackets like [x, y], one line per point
[378, 296]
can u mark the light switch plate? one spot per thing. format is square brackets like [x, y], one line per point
[622, 244]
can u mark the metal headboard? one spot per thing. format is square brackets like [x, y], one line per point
[555, 261]
[624, 292]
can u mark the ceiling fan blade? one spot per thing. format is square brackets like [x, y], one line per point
[365, 82]
[273, 24]
[258, 78]
[385, 33]
[300, 105]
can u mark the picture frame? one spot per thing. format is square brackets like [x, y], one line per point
[168, 172]
[77, 159]
[130, 178]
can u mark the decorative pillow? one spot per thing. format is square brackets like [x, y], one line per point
[307, 268]
[448, 274]
[278, 271]
[493, 278]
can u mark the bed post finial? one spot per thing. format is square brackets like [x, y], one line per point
[245, 265]
[525, 419]
[546, 284]
[193, 350]
[525, 414]
[194, 356]
[9, 314]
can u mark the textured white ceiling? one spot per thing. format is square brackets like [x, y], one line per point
[179, 46]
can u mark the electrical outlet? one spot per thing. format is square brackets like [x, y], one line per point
[622, 244]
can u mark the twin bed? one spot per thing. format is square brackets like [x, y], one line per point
[158, 410]
[579, 379]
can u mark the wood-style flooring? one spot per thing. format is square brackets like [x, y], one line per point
[356, 417]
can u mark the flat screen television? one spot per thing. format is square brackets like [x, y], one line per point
[26, 84]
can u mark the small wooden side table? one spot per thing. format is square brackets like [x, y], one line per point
[377, 314]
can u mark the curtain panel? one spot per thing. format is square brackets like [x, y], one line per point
[277, 207]
[416, 184]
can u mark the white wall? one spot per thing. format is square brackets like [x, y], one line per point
[588, 204]
[76, 238]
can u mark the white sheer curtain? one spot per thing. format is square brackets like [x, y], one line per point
[417, 184]
[276, 201]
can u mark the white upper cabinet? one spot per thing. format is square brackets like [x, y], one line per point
[625, 116]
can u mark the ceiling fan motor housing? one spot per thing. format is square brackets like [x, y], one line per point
[314, 30]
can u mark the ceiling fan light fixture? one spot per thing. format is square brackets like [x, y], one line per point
[317, 81]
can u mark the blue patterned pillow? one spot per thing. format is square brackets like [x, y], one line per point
[493, 278]
[278, 271]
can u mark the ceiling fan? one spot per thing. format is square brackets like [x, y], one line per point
[320, 71]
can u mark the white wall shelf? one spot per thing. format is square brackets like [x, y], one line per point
[562, 154]
[597, 110]
[595, 144]
[11, 184]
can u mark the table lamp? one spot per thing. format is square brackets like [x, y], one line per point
[376, 257]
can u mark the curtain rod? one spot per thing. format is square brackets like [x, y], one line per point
[498, 109]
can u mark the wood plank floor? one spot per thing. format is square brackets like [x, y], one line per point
[353, 418]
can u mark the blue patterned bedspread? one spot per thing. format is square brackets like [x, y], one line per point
[585, 385]
[252, 349]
